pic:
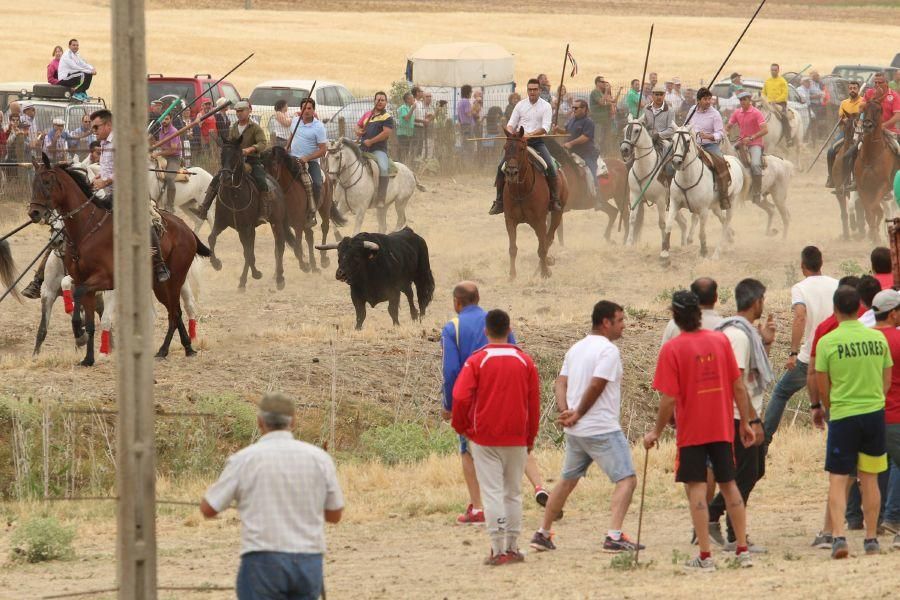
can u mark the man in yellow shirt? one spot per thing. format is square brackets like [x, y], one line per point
[849, 110]
[775, 90]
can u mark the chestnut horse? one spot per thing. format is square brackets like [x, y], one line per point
[526, 199]
[89, 255]
[874, 167]
[840, 174]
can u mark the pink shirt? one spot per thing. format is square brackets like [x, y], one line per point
[750, 122]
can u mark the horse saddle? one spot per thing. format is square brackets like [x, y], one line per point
[538, 160]
[586, 172]
[373, 165]
[744, 157]
[719, 167]
[162, 164]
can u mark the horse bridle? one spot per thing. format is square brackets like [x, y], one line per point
[629, 142]
[46, 189]
[358, 167]
[685, 138]
[518, 181]
[236, 177]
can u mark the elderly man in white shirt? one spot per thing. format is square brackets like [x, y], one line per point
[285, 491]
[534, 115]
[75, 73]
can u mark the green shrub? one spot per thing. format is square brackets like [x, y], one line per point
[41, 539]
[407, 442]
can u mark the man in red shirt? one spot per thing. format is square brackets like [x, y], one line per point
[698, 377]
[882, 269]
[887, 318]
[890, 108]
[496, 405]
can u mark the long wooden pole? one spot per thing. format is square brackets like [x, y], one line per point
[190, 125]
[136, 450]
[644, 74]
[303, 104]
[562, 78]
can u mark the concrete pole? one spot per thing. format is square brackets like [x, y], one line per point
[136, 468]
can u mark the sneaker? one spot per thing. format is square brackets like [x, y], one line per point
[823, 541]
[471, 517]
[754, 548]
[700, 565]
[496, 560]
[541, 496]
[541, 542]
[871, 546]
[514, 556]
[891, 526]
[744, 560]
[715, 533]
[839, 548]
[623, 544]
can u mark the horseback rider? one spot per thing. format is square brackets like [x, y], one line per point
[849, 110]
[775, 91]
[373, 136]
[168, 157]
[534, 115]
[580, 129]
[890, 109]
[660, 123]
[752, 126]
[309, 145]
[707, 124]
[252, 140]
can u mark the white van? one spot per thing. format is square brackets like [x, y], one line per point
[330, 97]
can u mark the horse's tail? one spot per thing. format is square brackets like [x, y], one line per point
[336, 217]
[202, 250]
[419, 186]
[8, 269]
[424, 279]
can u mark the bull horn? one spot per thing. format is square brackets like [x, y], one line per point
[327, 247]
[370, 245]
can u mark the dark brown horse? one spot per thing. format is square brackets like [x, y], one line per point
[282, 167]
[840, 174]
[874, 167]
[526, 199]
[89, 255]
[239, 205]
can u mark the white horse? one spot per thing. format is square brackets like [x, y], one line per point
[57, 283]
[775, 139]
[188, 194]
[693, 188]
[355, 182]
[776, 179]
[637, 146]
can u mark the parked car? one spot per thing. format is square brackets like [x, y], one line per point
[330, 97]
[728, 103]
[189, 88]
[863, 73]
[11, 91]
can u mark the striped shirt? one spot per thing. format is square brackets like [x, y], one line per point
[107, 158]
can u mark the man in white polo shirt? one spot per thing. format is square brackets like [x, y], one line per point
[307, 147]
[285, 491]
[588, 396]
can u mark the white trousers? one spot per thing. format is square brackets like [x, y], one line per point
[499, 470]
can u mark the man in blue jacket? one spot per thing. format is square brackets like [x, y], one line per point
[460, 338]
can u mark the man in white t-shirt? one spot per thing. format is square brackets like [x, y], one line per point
[588, 396]
[811, 302]
[750, 342]
[707, 291]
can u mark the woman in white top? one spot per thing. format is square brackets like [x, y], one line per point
[280, 124]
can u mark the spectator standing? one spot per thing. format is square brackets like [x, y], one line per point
[496, 405]
[93, 157]
[428, 109]
[699, 380]
[55, 141]
[602, 110]
[406, 115]
[887, 319]
[811, 304]
[460, 338]
[589, 398]
[466, 121]
[673, 98]
[281, 123]
[895, 82]
[418, 141]
[81, 138]
[882, 270]
[633, 98]
[736, 85]
[477, 119]
[545, 94]
[564, 104]
[750, 341]
[852, 385]
[690, 101]
[511, 102]
[53, 67]
[286, 490]
[75, 73]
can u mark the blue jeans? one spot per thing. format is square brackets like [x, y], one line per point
[315, 172]
[892, 507]
[790, 383]
[381, 158]
[542, 149]
[279, 576]
[713, 148]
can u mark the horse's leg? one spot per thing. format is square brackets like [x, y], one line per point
[88, 301]
[543, 248]
[175, 306]
[400, 207]
[279, 255]
[725, 219]
[780, 198]
[667, 231]
[413, 313]
[610, 211]
[217, 228]
[246, 244]
[511, 234]
[323, 254]
[561, 237]
[703, 215]
[170, 331]
[635, 221]
[842, 204]
[394, 307]
[860, 212]
[360, 217]
[875, 216]
[77, 317]
[381, 214]
[190, 307]
[48, 299]
[310, 236]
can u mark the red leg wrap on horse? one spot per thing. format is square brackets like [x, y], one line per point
[104, 342]
[67, 302]
[192, 329]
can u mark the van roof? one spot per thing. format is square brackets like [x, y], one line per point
[297, 83]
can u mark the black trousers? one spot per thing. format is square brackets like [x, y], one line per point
[78, 83]
[750, 466]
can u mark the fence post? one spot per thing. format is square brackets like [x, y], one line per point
[136, 472]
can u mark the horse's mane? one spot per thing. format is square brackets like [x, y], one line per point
[560, 154]
[353, 146]
[280, 154]
[79, 176]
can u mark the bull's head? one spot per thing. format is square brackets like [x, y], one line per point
[354, 256]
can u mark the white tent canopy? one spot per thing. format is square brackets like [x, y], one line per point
[460, 63]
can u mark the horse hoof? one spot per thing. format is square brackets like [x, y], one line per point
[280, 284]
[550, 261]
[664, 255]
[257, 274]
[703, 252]
[316, 270]
[161, 354]
[304, 267]
[242, 289]
[81, 341]
[216, 263]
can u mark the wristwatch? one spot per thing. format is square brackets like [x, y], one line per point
[794, 353]
[815, 406]
[756, 421]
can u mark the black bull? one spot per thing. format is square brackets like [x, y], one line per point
[377, 267]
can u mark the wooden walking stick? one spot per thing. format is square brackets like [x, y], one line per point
[637, 548]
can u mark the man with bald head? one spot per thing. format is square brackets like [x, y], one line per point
[707, 291]
[460, 338]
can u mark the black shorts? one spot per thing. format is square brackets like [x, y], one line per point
[691, 462]
[857, 440]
